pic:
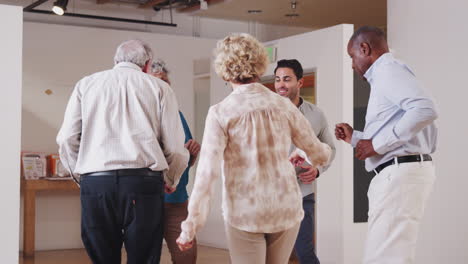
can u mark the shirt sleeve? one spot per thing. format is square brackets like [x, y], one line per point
[188, 133]
[69, 135]
[406, 93]
[209, 169]
[304, 138]
[172, 138]
[357, 135]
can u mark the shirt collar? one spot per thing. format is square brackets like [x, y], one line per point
[127, 65]
[250, 88]
[382, 59]
[301, 102]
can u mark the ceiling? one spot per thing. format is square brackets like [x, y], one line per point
[312, 13]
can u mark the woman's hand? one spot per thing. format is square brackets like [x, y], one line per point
[184, 246]
[296, 159]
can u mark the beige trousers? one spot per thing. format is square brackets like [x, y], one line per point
[260, 248]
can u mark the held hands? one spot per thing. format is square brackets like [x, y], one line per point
[344, 131]
[308, 173]
[296, 159]
[168, 189]
[184, 246]
[365, 149]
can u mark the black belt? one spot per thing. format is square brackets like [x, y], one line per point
[403, 159]
[125, 172]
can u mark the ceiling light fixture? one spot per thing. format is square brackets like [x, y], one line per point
[60, 6]
[293, 14]
[203, 5]
[293, 4]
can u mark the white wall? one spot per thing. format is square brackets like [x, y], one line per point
[325, 51]
[432, 37]
[56, 57]
[202, 104]
[10, 120]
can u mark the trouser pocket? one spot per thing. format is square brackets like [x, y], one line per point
[92, 210]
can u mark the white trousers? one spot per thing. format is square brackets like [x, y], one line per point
[397, 197]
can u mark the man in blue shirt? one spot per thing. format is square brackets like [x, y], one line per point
[396, 142]
[176, 202]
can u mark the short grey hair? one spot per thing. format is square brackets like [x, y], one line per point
[134, 51]
[159, 66]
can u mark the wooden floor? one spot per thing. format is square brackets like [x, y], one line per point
[207, 255]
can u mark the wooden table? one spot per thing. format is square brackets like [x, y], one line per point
[29, 188]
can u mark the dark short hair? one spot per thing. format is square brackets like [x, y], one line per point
[293, 64]
[368, 30]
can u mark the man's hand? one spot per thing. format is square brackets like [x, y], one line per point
[365, 149]
[168, 189]
[194, 149]
[344, 131]
[184, 246]
[309, 175]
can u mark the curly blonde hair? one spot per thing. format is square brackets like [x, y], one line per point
[240, 58]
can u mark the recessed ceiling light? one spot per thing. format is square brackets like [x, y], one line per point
[292, 15]
[254, 11]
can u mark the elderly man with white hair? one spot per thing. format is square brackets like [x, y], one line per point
[122, 133]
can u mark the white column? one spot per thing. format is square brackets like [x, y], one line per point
[432, 37]
[11, 30]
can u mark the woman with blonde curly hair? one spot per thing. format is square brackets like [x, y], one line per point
[248, 135]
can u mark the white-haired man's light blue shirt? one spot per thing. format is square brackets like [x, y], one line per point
[400, 113]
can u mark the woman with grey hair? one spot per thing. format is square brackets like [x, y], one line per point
[250, 133]
[159, 70]
[176, 202]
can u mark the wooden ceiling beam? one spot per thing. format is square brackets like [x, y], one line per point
[100, 2]
[197, 7]
[150, 3]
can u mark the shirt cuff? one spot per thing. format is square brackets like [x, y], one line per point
[187, 233]
[357, 135]
[383, 143]
[302, 153]
[320, 170]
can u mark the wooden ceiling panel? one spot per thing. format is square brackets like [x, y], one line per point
[312, 13]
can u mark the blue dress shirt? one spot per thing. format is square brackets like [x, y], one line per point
[400, 113]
